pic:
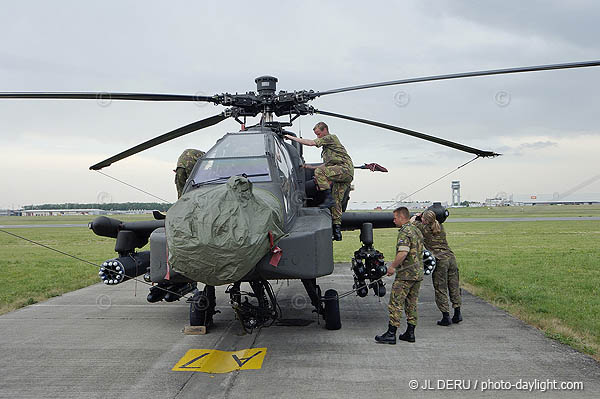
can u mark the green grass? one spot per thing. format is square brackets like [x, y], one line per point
[546, 273]
[30, 273]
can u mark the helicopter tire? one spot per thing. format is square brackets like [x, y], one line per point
[332, 310]
[199, 306]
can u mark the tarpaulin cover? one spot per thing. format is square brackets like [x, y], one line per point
[217, 234]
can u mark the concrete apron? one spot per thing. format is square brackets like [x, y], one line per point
[105, 342]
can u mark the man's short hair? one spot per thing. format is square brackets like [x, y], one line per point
[321, 126]
[403, 211]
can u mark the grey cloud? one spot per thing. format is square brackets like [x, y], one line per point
[526, 148]
[575, 22]
[538, 145]
[190, 47]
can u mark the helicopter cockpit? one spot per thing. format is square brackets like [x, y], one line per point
[235, 154]
[258, 155]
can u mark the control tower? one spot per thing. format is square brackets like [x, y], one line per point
[455, 193]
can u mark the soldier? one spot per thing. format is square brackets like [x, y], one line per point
[185, 164]
[445, 275]
[408, 266]
[334, 176]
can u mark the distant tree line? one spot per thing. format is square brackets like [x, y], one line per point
[119, 206]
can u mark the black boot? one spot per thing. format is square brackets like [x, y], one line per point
[457, 318]
[157, 293]
[388, 337]
[445, 319]
[328, 201]
[337, 232]
[409, 334]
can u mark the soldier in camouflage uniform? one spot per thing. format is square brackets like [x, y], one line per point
[185, 164]
[445, 276]
[408, 266]
[334, 176]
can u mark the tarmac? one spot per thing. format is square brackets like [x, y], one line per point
[106, 342]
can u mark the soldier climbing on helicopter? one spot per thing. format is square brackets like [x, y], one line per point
[334, 176]
[185, 164]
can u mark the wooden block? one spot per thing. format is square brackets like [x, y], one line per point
[194, 330]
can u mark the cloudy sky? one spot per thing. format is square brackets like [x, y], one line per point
[545, 123]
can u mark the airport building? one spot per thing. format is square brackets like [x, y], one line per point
[63, 212]
[11, 212]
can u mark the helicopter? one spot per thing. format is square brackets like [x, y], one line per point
[249, 213]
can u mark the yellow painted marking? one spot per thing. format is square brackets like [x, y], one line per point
[214, 361]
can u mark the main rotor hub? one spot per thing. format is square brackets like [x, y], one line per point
[266, 85]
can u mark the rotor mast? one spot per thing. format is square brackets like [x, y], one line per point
[266, 87]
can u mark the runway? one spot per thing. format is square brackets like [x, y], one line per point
[106, 342]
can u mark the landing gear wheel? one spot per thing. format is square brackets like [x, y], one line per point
[198, 307]
[379, 288]
[202, 307]
[332, 310]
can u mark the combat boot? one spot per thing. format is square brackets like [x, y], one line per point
[157, 293]
[328, 201]
[445, 319]
[388, 337]
[409, 334]
[457, 318]
[337, 232]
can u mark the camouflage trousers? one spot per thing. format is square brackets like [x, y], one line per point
[445, 279]
[404, 295]
[340, 177]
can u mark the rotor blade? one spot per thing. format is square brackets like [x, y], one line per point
[106, 96]
[192, 127]
[464, 75]
[423, 136]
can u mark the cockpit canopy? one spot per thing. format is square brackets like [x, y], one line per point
[235, 154]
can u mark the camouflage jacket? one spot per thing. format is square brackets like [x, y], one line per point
[188, 159]
[333, 152]
[410, 240]
[436, 243]
[185, 165]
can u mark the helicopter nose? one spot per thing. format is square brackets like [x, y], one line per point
[216, 234]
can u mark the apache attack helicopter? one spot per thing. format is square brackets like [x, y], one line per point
[248, 212]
